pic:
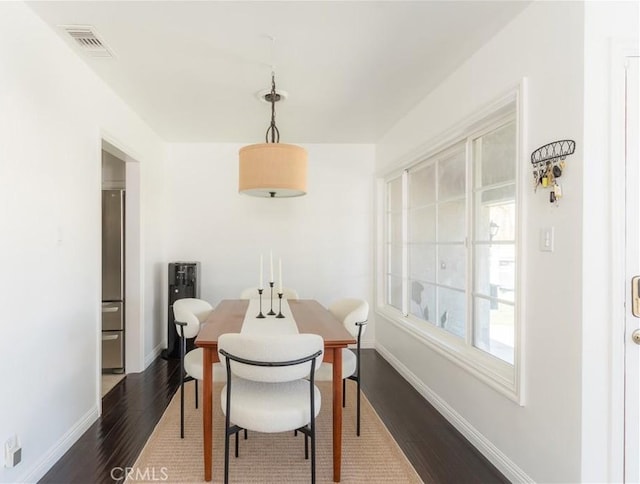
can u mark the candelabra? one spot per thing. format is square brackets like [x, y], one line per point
[271, 312]
[280, 315]
[260, 316]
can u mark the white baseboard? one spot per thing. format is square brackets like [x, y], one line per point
[510, 470]
[59, 448]
[369, 344]
[150, 358]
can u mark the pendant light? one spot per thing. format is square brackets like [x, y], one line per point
[273, 169]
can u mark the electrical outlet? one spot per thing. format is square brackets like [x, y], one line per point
[12, 452]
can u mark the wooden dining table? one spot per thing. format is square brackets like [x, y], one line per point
[310, 317]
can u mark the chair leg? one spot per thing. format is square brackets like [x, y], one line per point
[226, 454]
[236, 445]
[313, 451]
[344, 392]
[183, 375]
[196, 382]
[306, 446]
[357, 378]
[358, 408]
[182, 409]
[245, 434]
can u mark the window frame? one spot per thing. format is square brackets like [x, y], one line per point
[500, 375]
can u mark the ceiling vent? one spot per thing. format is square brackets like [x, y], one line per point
[86, 38]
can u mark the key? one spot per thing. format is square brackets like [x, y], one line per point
[557, 189]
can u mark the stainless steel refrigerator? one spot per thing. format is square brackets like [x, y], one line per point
[113, 334]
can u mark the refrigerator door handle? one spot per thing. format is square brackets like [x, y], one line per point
[109, 337]
[112, 316]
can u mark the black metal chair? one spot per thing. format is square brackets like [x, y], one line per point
[353, 313]
[189, 313]
[267, 388]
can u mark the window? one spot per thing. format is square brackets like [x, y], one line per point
[451, 244]
[494, 241]
[436, 234]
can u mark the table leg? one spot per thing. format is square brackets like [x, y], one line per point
[337, 413]
[207, 419]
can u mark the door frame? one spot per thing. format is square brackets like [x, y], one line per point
[134, 307]
[632, 354]
[620, 50]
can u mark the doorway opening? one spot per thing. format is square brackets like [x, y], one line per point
[121, 329]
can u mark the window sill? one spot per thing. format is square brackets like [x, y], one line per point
[492, 371]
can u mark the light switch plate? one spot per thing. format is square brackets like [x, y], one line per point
[546, 239]
[12, 452]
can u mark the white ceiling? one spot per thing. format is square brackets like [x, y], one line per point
[351, 69]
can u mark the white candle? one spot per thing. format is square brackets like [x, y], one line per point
[271, 264]
[261, 278]
[280, 274]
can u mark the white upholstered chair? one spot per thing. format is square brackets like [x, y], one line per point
[189, 314]
[252, 293]
[267, 388]
[353, 313]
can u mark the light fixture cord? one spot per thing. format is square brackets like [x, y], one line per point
[273, 129]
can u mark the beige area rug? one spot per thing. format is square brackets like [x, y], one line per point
[374, 457]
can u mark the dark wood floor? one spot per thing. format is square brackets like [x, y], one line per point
[131, 410]
[438, 451]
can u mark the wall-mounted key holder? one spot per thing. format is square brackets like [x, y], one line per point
[548, 165]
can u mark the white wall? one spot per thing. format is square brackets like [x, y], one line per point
[542, 439]
[54, 112]
[324, 238]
